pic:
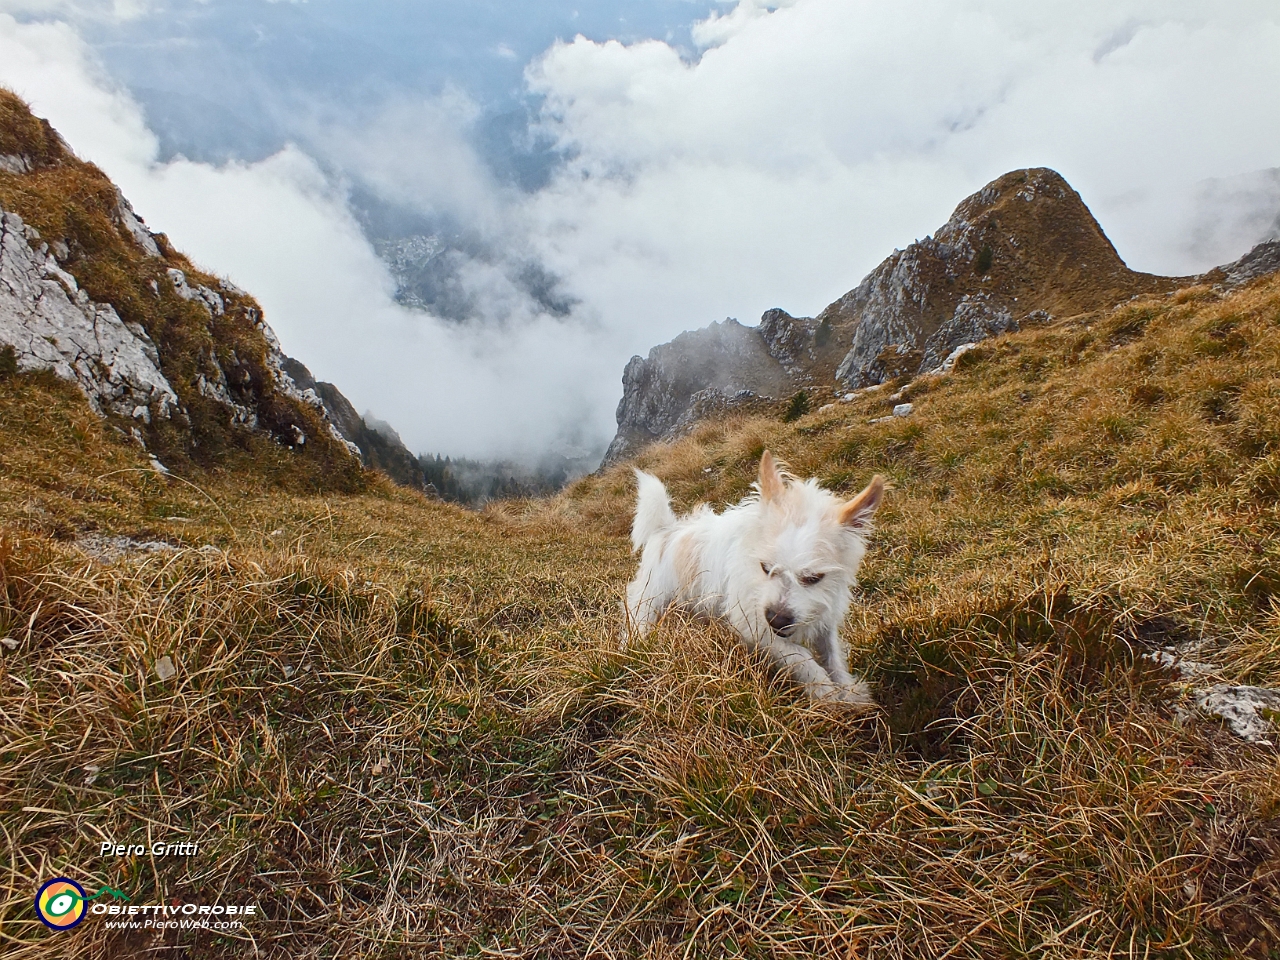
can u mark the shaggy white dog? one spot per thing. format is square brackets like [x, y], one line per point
[778, 567]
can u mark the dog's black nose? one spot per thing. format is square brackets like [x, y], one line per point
[779, 620]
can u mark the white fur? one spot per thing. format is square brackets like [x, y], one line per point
[653, 509]
[712, 564]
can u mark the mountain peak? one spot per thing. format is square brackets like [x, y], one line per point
[1023, 249]
[1024, 246]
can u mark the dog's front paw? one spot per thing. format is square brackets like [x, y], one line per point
[854, 696]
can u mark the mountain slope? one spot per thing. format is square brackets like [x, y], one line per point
[1023, 250]
[404, 729]
[180, 360]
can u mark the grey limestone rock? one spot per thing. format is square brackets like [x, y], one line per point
[133, 223]
[887, 305]
[1247, 711]
[107, 548]
[949, 363]
[14, 163]
[211, 300]
[53, 325]
[976, 317]
[697, 373]
[1258, 262]
[790, 340]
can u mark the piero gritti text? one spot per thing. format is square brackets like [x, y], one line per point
[157, 849]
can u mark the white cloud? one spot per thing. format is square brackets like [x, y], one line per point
[103, 10]
[812, 139]
[722, 27]
[416, 153]
[281, 229]
[48, 64]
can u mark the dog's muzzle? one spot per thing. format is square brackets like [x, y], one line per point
[780, 622]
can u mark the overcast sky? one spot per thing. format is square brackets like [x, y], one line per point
[664, 163]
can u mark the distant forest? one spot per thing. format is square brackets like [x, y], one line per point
[474, 482]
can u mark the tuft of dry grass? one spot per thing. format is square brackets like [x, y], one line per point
[406, 730]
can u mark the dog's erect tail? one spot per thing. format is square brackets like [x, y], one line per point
[653, 509]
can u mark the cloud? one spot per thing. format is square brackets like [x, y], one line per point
[416, 153]
[283, 229]
[719, 27]
[49, 65]
[84, 10]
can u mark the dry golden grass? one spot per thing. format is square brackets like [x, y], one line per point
[406, 730]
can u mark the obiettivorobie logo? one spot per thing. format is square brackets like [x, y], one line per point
[60, 904]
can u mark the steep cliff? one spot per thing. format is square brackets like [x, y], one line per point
[180, 360]
[725, 361]
[1024, 249]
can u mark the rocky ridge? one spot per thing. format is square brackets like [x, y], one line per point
[1025, 249]
[720, 367]
[699, 372]
[378, 446]
[95, 297]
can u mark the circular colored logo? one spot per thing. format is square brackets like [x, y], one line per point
[60, 903]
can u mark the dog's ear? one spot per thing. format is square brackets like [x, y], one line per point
[770, 479]
[857, 513]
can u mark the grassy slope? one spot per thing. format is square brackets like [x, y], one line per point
[405, 728]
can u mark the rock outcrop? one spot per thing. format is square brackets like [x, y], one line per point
[1258, 262]
[378, 446]
[51, 324]
[89, 293]
[1247, 711]
[1024, 249]
[697, 373]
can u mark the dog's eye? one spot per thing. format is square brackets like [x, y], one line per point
[766, 568]
[813, 578]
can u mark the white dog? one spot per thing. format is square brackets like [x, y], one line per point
[778, 567]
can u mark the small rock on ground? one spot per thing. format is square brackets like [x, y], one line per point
[1244, 709]
[107, 548]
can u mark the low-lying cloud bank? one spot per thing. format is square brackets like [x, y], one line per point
[775, 169]
[283, 229]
